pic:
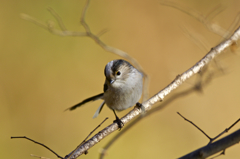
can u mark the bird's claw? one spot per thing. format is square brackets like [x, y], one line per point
[119, 122]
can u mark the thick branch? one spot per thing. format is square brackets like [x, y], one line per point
[160, 95]
[215, 147]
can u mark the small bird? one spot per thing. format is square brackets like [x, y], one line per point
[122, 88]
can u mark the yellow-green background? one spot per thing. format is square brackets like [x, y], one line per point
[42, 74]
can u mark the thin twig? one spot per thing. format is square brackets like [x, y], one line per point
[102, 32]
[82, 20]
[195, 126]
[17, 137]
[225, 131]
[58, 18]
[200, 43]
[211, 139]
[93, 131]
[69, 156]
[233, 26]
[214, 12]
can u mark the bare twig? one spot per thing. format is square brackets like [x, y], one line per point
[214, 12]
[200, 43]
[58, 18]
[225, 131]
[93, 131]
[211, 139]
[210, 149]
[234, 25]
[195, 126]
[50, 28]
[82, 20]
[68, 156]
[17, 137]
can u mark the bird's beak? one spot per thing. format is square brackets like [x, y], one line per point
[111, 81]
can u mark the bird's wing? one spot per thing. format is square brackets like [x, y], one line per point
[96, 97]
[99, 110]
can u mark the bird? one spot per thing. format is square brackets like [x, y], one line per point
[122, 89]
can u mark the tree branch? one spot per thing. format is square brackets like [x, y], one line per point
[215, 147]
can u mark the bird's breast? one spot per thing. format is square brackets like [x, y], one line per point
[124, 97]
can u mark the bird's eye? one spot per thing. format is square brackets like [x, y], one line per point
[118, 73]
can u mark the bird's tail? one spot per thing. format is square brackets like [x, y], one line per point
[96, 97]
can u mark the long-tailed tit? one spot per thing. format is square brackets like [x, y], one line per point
[122, 88]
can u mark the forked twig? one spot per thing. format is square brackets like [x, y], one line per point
[58, 18]
[17, 137]
[225, 131]
[212, 148]
[211, 139]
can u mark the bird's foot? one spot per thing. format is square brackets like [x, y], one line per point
[119, 122]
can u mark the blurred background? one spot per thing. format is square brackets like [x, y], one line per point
[43, 74]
